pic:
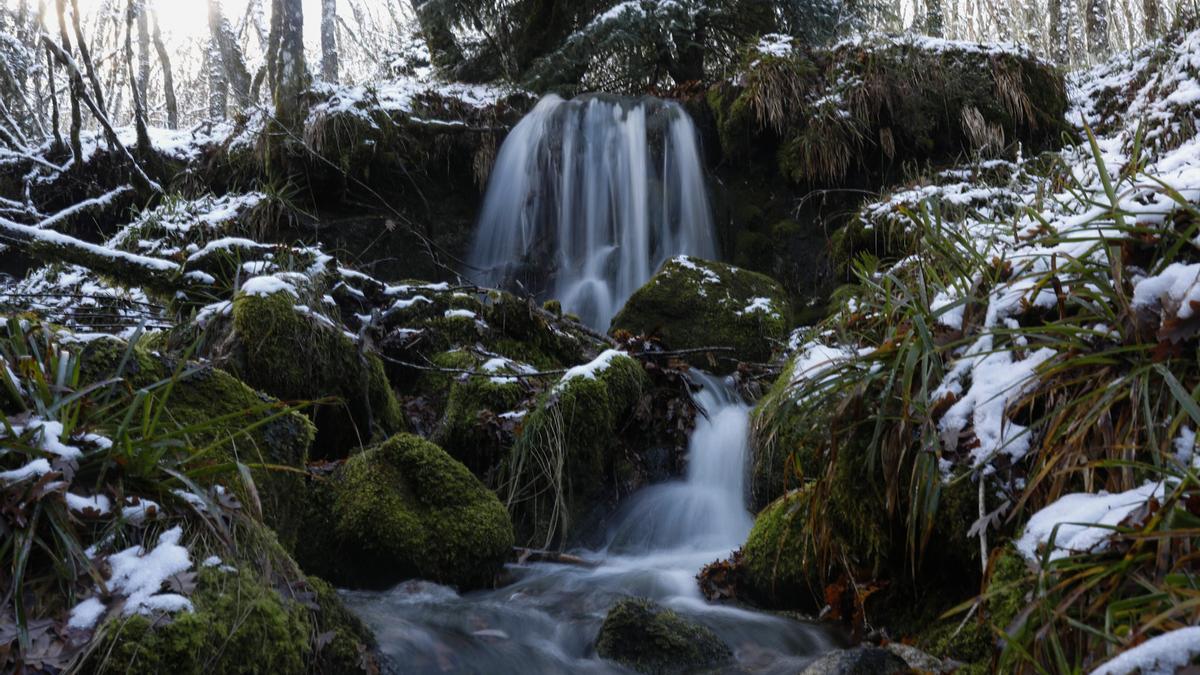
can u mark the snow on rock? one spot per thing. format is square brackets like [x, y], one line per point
[1163, 654]
[459, 313]
[268, 285]
[1084, 521]
[591, 369]
[138, 575]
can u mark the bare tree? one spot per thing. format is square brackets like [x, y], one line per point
[329, 50]
[76, 86]
[287, 75]
[1150, 18]
[1096, 21]
[228, 55]
[164, 60]
[137, 10]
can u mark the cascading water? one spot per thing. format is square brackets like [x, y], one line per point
[589, 197]
[547, 620]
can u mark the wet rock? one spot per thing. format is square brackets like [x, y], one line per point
[858, 661]
[647, 638]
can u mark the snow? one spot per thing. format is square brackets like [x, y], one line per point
[96, 503]
[761, 306]
[139, 511]
[1175, 288]
[268, 285]
[85, 614]
[34, 469]
[459, 313]
[1163, 654]
[139, 575]
[591, 369]
[49, 434]
[1078, 517]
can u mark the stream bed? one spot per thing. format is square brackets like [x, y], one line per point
[547, 619]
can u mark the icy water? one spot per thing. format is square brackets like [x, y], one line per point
[548, 619]
[587, 199]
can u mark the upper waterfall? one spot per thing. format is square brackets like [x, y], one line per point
[589, 197]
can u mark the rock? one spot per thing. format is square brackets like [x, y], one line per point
[291, 355]
[577, 424]
[920, 661]
[786, 442]
[858, 661]
[692, 303]
[778, 564]
[647, 638]
[242, 622]
[404, 509]
[218, 410]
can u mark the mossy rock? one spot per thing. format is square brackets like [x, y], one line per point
[692, 303]
[779, 561]
[263, 615]
[647, 638]
[405, 509]
[785, 444]
[974, 643]
[865, 660]
[217, 408]
[294, 357]
[465, 431]
[582, 418]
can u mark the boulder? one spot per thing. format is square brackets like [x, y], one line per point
[404, 509]
[858, 661]
[219, 414]
[693, 303]
[647, 638]
[778, 562]
[577, 425]
[288, 353]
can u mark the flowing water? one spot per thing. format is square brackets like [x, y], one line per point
[587, 199]
[547, 620]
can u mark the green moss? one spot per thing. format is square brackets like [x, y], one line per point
[580, 420]
[347, 644]
[974, 642]
[785, 446]
[692, 303]
[240, 625]
[406, 509]
[646, 638]
[217, 409]
[463, 431]
[292, 356]
[779, 562]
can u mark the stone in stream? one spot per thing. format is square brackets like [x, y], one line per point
[648, 638]
[693, 303]
[858, 661]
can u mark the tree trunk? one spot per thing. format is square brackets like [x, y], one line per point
[98, 91]
[76, 88]
[218, 86]
[143, 75]
[168, 79]
[137, 9]
[329, 50]
[1150, 19]
[229, 55]
[53, 93]
[1058, 49]
[443, 48]
[287, 76]
[935, 18]
[1097, 28]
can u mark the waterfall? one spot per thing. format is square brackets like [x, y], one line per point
[705, 511]
[588, 198]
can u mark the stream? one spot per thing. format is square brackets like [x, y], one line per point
[547, 620]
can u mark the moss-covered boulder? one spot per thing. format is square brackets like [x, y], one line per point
[405, 509]
[251, 613]
[647, 638]
[786, 442]
[290, 354]
[865, 660]
[207, 407]
[576, 427]
[473, 429]
[779, 565]
[692, 303]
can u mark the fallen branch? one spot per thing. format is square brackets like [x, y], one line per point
[129, 268]
[528, 555]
